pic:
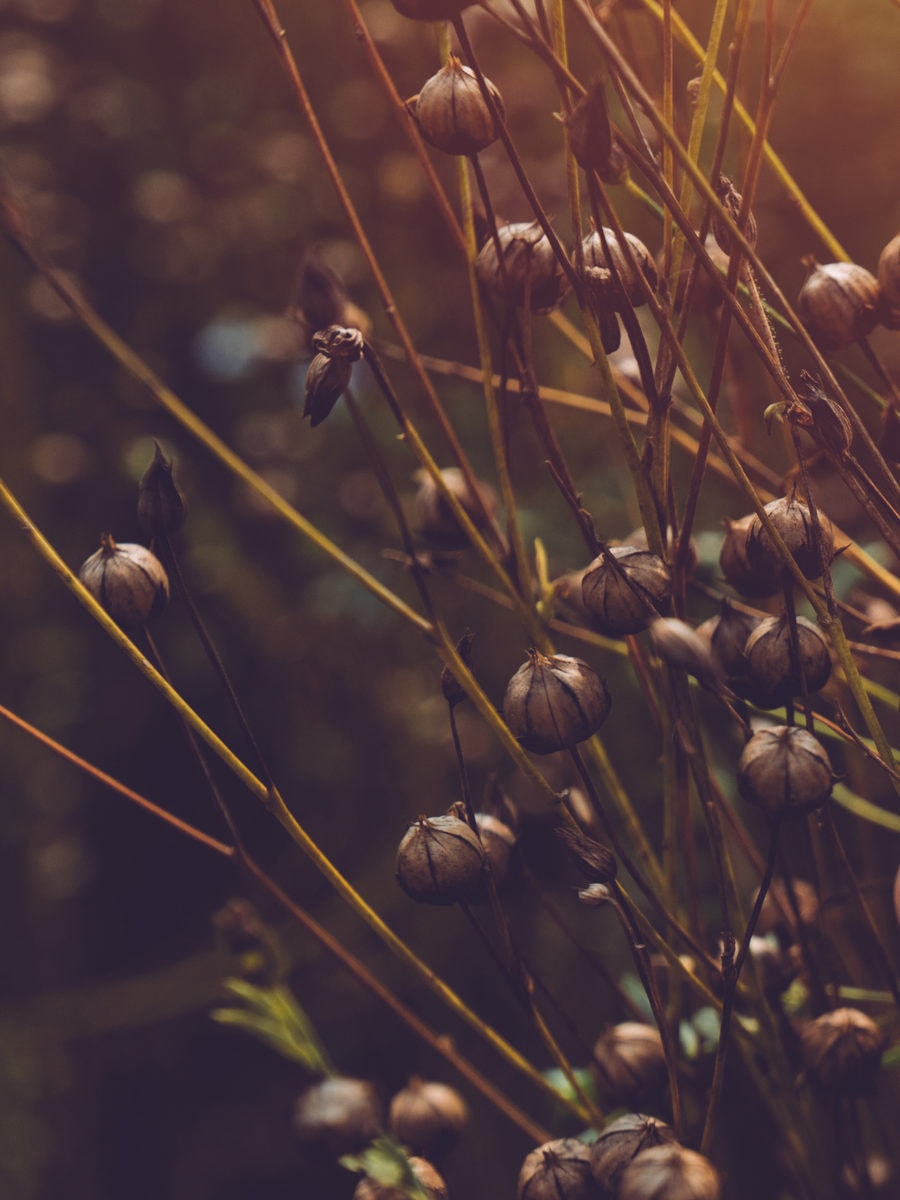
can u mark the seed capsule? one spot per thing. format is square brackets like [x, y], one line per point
[773, 675]
[554, 703]
[326, 381]
[127, 580]
[625, 596]
[440, 861]
[425, 1173]
[338, 1116]
[670, 1173]
[794, 522]
[591, 136]
[427, 1117]
[529, 271]
[842, 1051]
[889, 283]
[785, 771]
[728, 635]
[452, 113]
[682, 646]
[435, 520]
[558, 1170]
[622, 289]
[629, 1065]
[619, 1143]
[731, 201]
[735, 564]
[838, 303]
[160, 507]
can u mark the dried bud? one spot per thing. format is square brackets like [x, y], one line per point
[322, 299]
[773, 675]
[499, 842]
[619, 1143]
[452, 112]
[705, 296]
[433, 516]
[838, 303]
[683, 647]
[785, 771]
[427, 1118]
[596, 860]
[670, 1173]
[431, 10]
[127, 580]
[824, 418]
[793, 520]
[337, 341]
[591, 136]
[451, 689]
[842, 1051]
[160, 507]
[554, 703]
[624, 595]
[558, 1170]
[731, 202]
[744, 577]
[612, 282]
[326, 380]
[440, 861]
[630, 1066]
[529, 271]
[338, 1116]
[427, 1176]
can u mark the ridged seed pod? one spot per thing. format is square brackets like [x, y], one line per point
[619, 1143]
[727, 634]
[622, 289]
[735, 564]
[629, 1066]
[435, 520]
[838, 303]
[670, 1172]
[427, 1117]
[773, 675]
[842, 1051]
[127, 580]
[785, 771]
[625, 596]
[794, 522]
[554, 703]
[889, 283]
[326, 381]
[558, 1170]
[529, 271]
[682, 646]
[452, 113]
[338, 1116]
[425, 1173]
[440, 861]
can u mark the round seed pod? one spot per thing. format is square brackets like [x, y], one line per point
[452, 113]
[338, 1116]
[440, 861]
[127, 580]
[889, 272]
[425, 1173]
[558, 1170]
[431, 10]
[794, 522]
[499, 842]
[638, 539]
[842, 1051]
[838, 303]
[433, 517]
[682, 646]
[773, 675]
[727, 634]
[427, 1117]
[604, 289]
[626, 597]
[735, 564]
[785, 771]
[705, 296]
[619, 1143]
[629, 1065]
[670, 1172]
[530, 270]
[554, 703]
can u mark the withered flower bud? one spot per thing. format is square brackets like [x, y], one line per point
[452, 113]
[822, 417]
[629, 1065]
[326, 381]
[440, 861]
[794, 522]
[596, 861]
[338, 341]
[591, 136]
[160, 507]
[554, 703]
[838, 303]
[127, 580]
[338, 1116]
[670, 1172]
[431, 10]
[529, 272]
[626, 594]
[731, 201]
[745, 577]
[434, 518]
[683, 647]
[772, 673]
[451, 689]
[842, 1051]
[427, 1175]
[785, 771]
[612, 282]
[558, 1170]
[619, 1143]
[427, 1117]
[705, 296]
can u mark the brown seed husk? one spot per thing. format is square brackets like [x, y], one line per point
[435, 520]
[842, 1051]
[554, 703]
[530, 270]
[452, 112]
[440, 861]
[749, 580]
[670, 1172]
[626, 597]
[127, 580]
[785, 771]
[793, 520]
[427, 1175]
[728, 635]
[619, 1143]
[427, 1117]
[838, 303]
[338, 1116]
[621, 288]
[772, 675]
[558, 1170]
[630, 1066]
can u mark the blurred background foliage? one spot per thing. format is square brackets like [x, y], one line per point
[163, 163]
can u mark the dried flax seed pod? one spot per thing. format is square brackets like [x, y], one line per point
[772, 674]
[670, 1172]
[452, 113]
[127, 580]
[435, 520]
[554, 703]
[728, 633]
[793, 520]
[427, 1176]
[427, 1117]
[624, 596]
[326, 381]
[630, 1066]
[608, 290]
[744, 577]
[838, 303]
[529, 270]
[558, 1170]
[785, 771]
[338, 1116]
[440, 861]
[683, 647]
[889, 283]
[619, 1143]
[842, 1051]
[591, 137]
